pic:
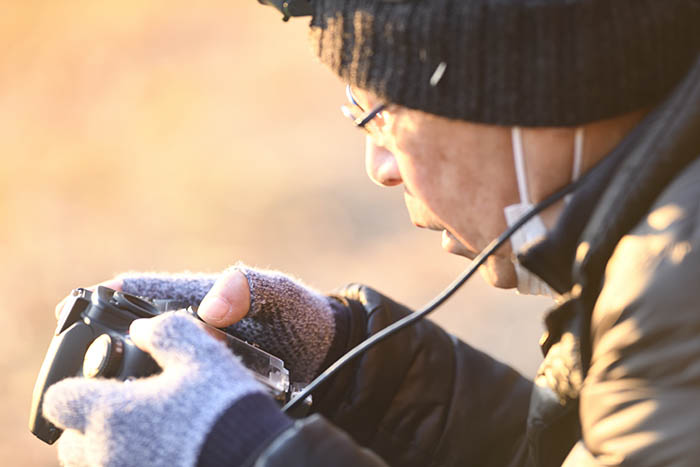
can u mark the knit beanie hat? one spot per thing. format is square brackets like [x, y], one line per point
[510, 62]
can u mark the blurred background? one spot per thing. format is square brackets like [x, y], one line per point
[162, 137]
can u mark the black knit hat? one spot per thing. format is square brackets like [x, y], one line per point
[511, 62]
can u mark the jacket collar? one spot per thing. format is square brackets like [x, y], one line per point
[617, 192]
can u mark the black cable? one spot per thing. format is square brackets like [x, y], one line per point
[436, 302]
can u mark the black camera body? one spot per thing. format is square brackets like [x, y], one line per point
[92, 340]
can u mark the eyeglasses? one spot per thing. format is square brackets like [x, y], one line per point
[366, 120]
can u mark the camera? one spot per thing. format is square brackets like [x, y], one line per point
[92, 340]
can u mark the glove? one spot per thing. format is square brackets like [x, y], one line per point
[162, 420]
[284, 317]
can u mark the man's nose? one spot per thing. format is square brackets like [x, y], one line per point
[381, 165]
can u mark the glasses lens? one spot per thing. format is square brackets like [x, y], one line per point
[348, 113]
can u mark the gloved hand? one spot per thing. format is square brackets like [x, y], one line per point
[162, 420]
[270, 309]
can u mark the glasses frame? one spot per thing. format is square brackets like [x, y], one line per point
[363, 120]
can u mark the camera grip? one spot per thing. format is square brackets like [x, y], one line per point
[63, 359]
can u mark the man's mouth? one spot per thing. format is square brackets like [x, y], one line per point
[423, 218]
[419, 214]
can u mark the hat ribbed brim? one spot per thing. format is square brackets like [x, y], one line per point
[511, 62]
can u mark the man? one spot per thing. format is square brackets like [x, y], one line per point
[480, 109]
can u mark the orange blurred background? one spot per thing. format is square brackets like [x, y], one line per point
[159, 136]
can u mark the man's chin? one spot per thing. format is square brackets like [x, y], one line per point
[499, 272]
[451, 245]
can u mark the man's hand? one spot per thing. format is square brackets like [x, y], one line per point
[162, 420]
[268, 308]
[276, 312]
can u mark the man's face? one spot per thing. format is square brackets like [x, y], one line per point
[457, 178]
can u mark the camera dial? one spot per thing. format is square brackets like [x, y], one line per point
[103, 357]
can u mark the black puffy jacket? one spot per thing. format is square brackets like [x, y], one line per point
[419, 398]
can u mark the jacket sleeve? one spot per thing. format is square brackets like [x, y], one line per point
[424, 398]
[314, 442]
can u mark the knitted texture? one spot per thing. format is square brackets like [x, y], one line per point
[289, 320]
[286, 318]
[162, 420]
[511, 62]
[190, 288]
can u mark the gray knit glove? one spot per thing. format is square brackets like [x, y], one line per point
[286, 318]
[161, 420]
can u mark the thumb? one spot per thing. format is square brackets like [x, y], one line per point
[228, 301]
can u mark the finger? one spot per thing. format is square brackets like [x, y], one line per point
[115, 284]
[140, 332]
[68, 403]
[72, 449]
[176, 338]
[228, 300]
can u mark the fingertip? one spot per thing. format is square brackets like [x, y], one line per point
[215, 310]
[228, 300]
[140, 331]
[114, 284]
